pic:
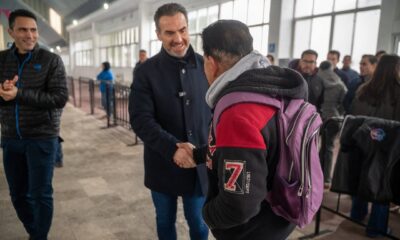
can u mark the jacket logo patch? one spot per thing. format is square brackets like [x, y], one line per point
[234, 175]
[37, 67]
[377, 134]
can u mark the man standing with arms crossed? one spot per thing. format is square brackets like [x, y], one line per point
[166, 107]
[33, 92]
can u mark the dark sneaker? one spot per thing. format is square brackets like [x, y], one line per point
[376, 234]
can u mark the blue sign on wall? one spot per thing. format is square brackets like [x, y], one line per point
[271, 48]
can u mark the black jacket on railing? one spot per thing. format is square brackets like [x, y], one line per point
[42, 93]
[166, 106]
[368, 163]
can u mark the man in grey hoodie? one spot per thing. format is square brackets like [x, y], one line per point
[332, 111]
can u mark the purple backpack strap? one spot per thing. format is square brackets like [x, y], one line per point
[242, 97]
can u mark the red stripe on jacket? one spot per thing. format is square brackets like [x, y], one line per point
[240, 125]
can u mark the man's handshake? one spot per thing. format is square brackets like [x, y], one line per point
[183, 156]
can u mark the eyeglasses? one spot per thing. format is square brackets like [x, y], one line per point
[308, 62]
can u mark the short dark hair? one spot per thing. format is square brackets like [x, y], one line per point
[309, 52]
[227, 37]
[142, 50]
[169, 9]
[325, 65]
[335, 52]
[106, 66]
[347, 56]
[19, 13]
[371, 58]
[380, 52]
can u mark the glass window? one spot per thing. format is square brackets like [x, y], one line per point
[368, 3]
[398, 48]
[153, 34]
[110, 55]
[256, 33]
[199, 43]
[323, 6]
[117, 56]
[226, 10]
[366, 33]
[65, 59]
[136, 32]
[343, 33]
[133, 53]
[193, 41]
[212, 15]
[303, 8]
[155, 47]
[240, 10]
[124, 56]
[124, 37]
[103, 54]
[320, 35]
[341, 5]
[255, 14]
[202, 19]
[267, 9]
[301, 37]
[192, 21]
[264, 42]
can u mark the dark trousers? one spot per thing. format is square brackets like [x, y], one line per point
[29, 165]
[377, 222]
[329, 131]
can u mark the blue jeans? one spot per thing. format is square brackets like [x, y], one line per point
[166, 206]
[377, 222]
[29, 165]
[108, 105]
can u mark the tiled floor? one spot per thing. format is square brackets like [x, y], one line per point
[99, 193]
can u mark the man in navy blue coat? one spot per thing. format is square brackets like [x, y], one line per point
[167, 106]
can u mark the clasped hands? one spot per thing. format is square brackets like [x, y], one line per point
[183, 156]
[8, 90]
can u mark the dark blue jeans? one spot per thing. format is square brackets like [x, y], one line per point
[29, 165]
[377, 222]
[166, 206]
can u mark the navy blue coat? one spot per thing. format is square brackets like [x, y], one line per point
[166, 106]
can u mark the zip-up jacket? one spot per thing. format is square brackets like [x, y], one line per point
[42, 93]
[243, 153]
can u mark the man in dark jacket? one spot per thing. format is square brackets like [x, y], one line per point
[166, 107]
[242, 158]
[33, 92]
[368, 64]
[307, 67]
[142, 58]
[334, 57]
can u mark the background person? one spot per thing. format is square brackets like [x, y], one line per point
[106, 78]
[379, 97]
